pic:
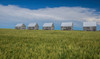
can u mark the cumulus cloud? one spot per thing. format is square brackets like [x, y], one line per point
[79, 14]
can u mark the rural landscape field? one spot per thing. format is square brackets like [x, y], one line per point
[49, 44]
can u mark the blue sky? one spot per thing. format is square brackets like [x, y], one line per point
[56, 11]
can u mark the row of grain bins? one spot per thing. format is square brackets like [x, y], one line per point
[87, 26]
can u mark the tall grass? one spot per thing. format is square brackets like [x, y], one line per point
[54, 44]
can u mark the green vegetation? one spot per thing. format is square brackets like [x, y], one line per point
[55, 44]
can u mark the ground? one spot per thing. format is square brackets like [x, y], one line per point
[49, 44]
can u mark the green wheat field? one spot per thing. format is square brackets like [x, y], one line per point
[49, 44]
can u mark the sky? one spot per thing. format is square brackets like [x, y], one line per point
[13, 12]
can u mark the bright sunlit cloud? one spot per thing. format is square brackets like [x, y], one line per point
[79, 14]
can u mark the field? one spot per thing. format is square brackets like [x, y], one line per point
[55, 44]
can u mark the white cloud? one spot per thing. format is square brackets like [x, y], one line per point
[14, 13]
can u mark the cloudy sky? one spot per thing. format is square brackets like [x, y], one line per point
[42, 11]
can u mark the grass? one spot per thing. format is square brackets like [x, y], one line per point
[55, 44]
